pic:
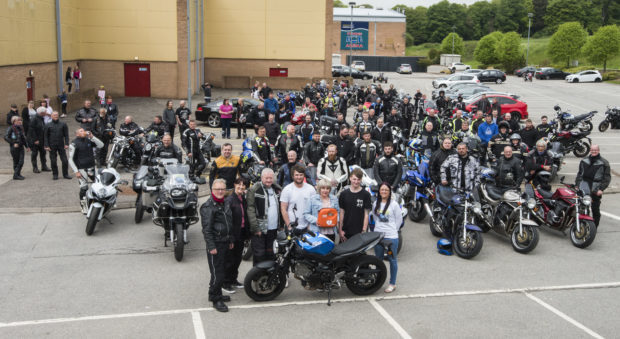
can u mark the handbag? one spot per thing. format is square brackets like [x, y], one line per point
[328, 217]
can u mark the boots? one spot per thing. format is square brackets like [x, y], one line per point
[17, 175]
[35, 169]
[44, 168]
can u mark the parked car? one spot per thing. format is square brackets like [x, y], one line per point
[585, 76]
[473, 71]
[345, 71]
[336, 69]
[458, 66]
[492, 75]
[547, 73]
[524, 70]
[455, 87]
[509, 104]
[456, 78]
[469, 91]
[359, 65]
[404, 69]
[209, 113]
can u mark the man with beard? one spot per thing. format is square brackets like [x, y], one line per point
[313, 152]
[461, 170]
[288, 142]
[333, 168]
[346, 148]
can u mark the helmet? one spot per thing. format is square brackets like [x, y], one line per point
[544, 176]
[503, 124]
[488, 174]
[247, 145]
[415, 144]
[515, 136]
[556, 107]
[246, 156]
[444, 246]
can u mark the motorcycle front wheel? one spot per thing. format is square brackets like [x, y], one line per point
[179, 243]
[525, 242]
[92, 220]
[581, 149]
[434, 226]
[139, 209]
[416, 211]
[603, 126]
[260, 286]
[585, 236]
[247, 250]
[367, 276]
[470, 246]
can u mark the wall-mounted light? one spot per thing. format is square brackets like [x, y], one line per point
[135, 58]
[278, 65]
[30, 72]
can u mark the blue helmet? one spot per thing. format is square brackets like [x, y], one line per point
[444, 246]
[246, 156]
[415, 144]
[247, 145]
[488, 174]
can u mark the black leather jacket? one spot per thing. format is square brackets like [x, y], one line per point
[313, 152]
[216, 223]
[437, 158]
[129, 130]
[170, 152]
[373, 148]
[388, 169]
[595, 171]
[35, 130]
[261, 147]
[509, 172]
[56, 134]
[86, 113]
[295, 145]
[161, 129]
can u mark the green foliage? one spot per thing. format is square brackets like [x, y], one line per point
[481, 18]
[447, 46]
[442, 16]
[425, 62]
[539, 8]
[508, 51]
[566, 42]
[485, 51]
[576, 69]
[339, 4]
[511, 15]
[434, 55]
[560, 11]
[611, 76]
[605, 43]
[408, 39]
[364, 6]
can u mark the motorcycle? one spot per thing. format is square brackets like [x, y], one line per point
[567, 121]
[151, 143]
[299, 117]
[146, 183]
[571, 141]
[529, 76]
[380, 78]
[568, 208]
[502, 211]
[318, 264]
[101, 196]
[398, 140]
[176, 207]
[417, 179]
[122, 152]
[453, 217]
[612, 119]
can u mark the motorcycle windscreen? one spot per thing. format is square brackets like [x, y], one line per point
[178, 175]
[107, 178]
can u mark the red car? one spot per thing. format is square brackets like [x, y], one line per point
[516, 108]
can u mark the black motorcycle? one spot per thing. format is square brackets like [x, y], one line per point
[319, 264]
[567, 121]
[123, 153]
[151, 142]
[209, 148]
[612, 119]
[571, 141]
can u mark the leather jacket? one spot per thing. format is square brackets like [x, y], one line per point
[373, 148]
[313, 152]
[388, 169]
[216, 223]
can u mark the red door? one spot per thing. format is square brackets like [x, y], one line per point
[30, 88]
[137, 80]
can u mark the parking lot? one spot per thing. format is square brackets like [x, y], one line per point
[122, 282]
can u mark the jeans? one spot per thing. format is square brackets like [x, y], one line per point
[380, 252]
[312, 173]
[226, 127]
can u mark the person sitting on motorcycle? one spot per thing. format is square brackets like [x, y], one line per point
[261, 147]
[287, 142]
[538, 160]
[394, 119]
[332, 167]
[430, 140]
[226, 167]
[131, 129]
[499, 141]
[82, 160]
[388, 168]
[460, 170]
[509, 171]
[457, 121]
[365, 125]
[432, 118]
[159, 126]
[519, 149]
[313, 152]
[367, 153]
[191, 144]
[437, 159]
[544, 128]
[272, 129]
[307, 129]
[168, 150]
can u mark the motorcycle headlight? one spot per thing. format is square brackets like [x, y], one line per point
[531, 203]
[101, 192]
[147, 147]
[477, 208]
[177, 192]
[587, 200]
[275, 247]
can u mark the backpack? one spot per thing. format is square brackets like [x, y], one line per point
[328, 217]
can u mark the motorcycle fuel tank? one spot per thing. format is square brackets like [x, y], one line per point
[564, 193]
[318, 244]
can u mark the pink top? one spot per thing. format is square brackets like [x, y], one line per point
[226, 109]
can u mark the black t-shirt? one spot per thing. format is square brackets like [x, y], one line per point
[354, 205]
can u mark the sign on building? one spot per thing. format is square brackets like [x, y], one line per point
[356, 38]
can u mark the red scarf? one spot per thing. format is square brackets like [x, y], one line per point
[216, 199]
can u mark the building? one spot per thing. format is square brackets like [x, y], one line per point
[375, 32]
[142, 47]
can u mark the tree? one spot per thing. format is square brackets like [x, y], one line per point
[339, 4]
[408, 39]
[508, 51]
[446, 44]
[604, 44]
[486, 49]
[566, 42]
[417, 23]
[511, 15]
[560, 11]
[442, 16]
[539, 8]
[481, 18]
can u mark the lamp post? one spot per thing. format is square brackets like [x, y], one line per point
[529, 24]
[351, 4]
[453, 28]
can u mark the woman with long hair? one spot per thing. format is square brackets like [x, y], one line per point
[388, 218]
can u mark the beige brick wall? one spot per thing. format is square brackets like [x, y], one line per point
[13, 84]
[390, 39]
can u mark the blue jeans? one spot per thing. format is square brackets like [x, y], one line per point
[380, 252]
[226, 127]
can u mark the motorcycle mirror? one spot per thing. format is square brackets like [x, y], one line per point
[562, 179]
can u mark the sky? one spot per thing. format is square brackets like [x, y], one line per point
[385, 4]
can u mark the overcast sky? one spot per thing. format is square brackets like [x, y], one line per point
[411, 3]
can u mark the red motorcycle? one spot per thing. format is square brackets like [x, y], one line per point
[568, 208]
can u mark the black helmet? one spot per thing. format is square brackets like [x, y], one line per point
[556, 107]
[503, 124]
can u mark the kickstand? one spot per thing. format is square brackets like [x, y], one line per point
[165, 241]
[110, 221]
[329, 296]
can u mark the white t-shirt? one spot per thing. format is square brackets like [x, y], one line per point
[272, 210]
[297, 199]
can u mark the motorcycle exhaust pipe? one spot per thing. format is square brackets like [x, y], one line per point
[428, 211]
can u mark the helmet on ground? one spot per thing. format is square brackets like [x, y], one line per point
[444, 246]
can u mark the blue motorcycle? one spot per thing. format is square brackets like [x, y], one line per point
[418, 191]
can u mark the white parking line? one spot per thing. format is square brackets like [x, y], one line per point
[564, 316]
[388, 317]
[198, 328]
[609, 215]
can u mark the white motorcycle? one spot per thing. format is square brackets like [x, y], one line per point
[101, 196]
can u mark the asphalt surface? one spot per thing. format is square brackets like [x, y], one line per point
[123, 283]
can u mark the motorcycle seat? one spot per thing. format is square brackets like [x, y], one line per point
[545, 194]
[356, 243]
[580, 117]
[494, 192]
